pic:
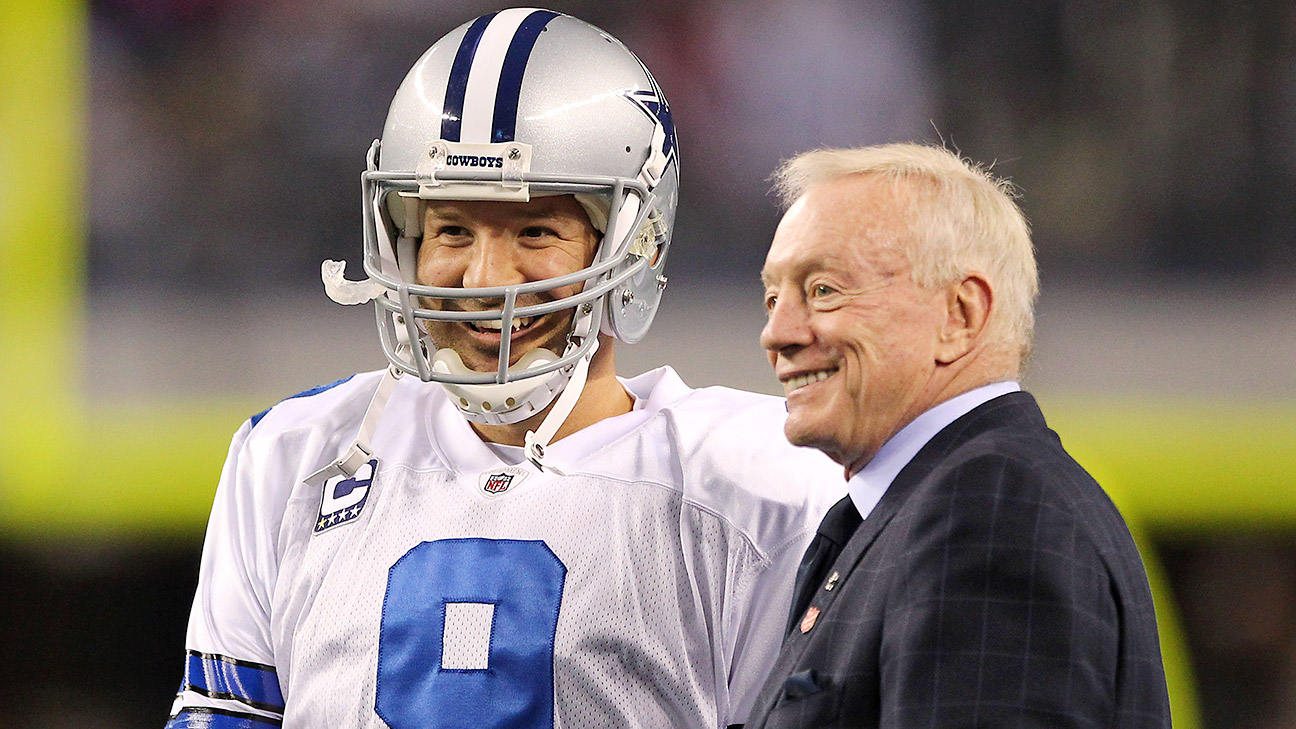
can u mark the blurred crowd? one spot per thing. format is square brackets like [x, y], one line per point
[1237, 594]
[1150, 138]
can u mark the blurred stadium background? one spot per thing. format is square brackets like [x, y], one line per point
[173, 171]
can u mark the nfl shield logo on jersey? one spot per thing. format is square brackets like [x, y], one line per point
[344, 498]
[494, 483]
[497, 483]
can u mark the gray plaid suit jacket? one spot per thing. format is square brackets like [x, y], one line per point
[994, 585]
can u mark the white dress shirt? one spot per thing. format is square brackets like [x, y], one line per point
[867, 486]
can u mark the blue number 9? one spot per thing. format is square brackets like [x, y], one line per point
[507, 683]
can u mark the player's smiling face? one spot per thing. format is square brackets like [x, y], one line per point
[849, 334]
[474, 244]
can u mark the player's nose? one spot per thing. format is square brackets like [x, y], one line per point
[493, 262]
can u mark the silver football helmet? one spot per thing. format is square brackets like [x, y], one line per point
[516, 104]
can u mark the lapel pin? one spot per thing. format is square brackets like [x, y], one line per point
[808, 622]
[832, 581]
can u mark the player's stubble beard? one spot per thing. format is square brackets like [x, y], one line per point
[481, 354]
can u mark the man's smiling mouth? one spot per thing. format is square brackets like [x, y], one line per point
[796, 382]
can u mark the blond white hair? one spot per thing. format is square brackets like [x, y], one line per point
[961, 219]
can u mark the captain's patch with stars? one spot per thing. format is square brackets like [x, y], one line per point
[344, 497]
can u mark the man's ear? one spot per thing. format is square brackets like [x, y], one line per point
[968, 303]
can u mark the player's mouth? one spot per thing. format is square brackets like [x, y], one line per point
[805, 379]
[522, 331]
[496, 326]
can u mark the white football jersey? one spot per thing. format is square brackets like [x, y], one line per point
[450, 583]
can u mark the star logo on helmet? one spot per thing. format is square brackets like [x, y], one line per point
[653, 103]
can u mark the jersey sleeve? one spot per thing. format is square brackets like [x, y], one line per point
[738, 464]
[230, 680]
[759, 630]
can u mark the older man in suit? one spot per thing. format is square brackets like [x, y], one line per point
[976, 575]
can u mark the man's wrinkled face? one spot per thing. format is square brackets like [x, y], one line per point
[473, 244]
[850, 335]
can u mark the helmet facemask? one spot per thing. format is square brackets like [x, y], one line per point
[515, 105]
[631, 249]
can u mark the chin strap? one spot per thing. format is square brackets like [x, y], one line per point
[537, 440]
[360, 451]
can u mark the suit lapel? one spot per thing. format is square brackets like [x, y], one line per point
[1001, 411]
[820, 596]
[824, 592]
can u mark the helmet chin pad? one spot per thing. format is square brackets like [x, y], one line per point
[507, 403]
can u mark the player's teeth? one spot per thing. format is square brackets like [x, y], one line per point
[495, 325]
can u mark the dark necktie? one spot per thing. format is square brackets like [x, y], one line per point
[838, 525]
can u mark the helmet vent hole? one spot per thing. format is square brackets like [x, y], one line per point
[486, 406]
[627, 148]
[463, 401]
[510, 402]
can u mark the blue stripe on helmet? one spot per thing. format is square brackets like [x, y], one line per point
[504, 123]
[221, 677]
[457, 85]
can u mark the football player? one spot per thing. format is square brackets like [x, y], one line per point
[496, 530]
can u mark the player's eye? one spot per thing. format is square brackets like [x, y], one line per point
[537, 231]
[448, 235]
[820, 290]
[770, 302]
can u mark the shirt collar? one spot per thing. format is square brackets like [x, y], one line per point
[460, 448]
[867, 486]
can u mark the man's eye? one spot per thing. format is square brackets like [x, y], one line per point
[770, 301]
[536, 232]
[453, 231]
[822, 290]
